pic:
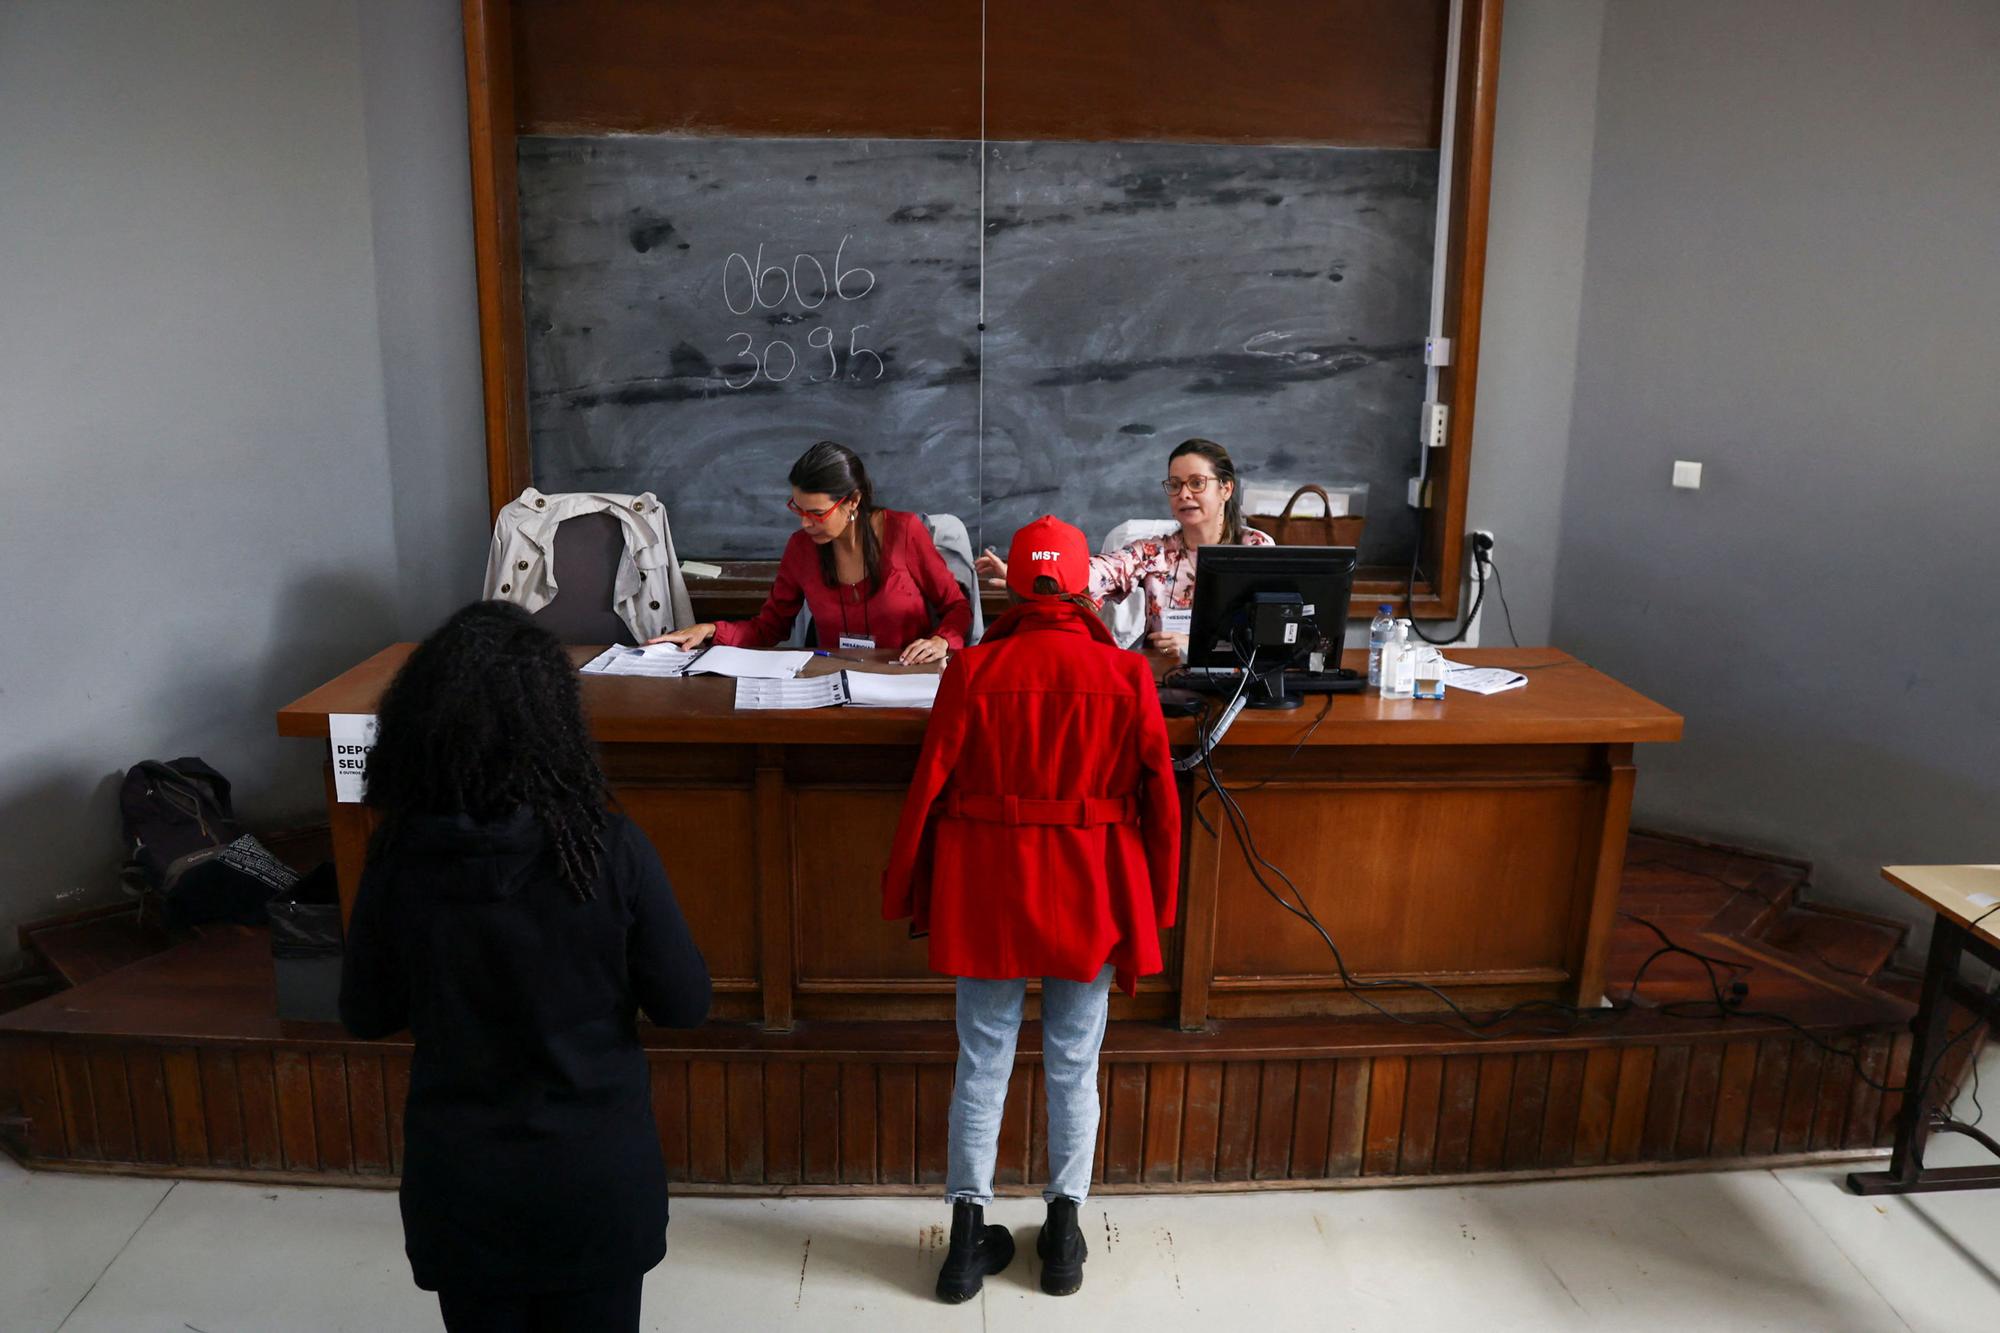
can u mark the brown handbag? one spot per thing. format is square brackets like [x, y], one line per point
[1324, 529]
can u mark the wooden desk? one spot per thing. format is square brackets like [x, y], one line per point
[1964, 899]
[1474, 843]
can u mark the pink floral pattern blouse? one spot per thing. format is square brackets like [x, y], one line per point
[1163, 566]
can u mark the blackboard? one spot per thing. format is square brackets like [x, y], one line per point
[699, 310]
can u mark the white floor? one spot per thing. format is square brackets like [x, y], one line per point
[1742, 1250]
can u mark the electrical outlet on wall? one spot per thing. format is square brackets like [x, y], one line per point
[1433, 431]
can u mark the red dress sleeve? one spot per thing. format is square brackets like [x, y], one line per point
[940, 589]
[1159, 799]
[772, 624]
[906, 880]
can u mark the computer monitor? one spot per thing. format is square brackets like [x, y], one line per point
[1280, 603]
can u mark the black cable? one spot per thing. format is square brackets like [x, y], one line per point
[1326, 706]
[1501, 588]
[1409, 605]
[1725, 1006]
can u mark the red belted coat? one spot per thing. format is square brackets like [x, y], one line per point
[1042, 832]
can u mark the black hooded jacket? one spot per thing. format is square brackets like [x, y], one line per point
[531, 1162]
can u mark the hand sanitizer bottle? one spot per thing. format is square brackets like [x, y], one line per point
[1399, 664]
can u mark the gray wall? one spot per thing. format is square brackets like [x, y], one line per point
[412, 55]
[203, 506]
[1792, 277]
[1546, 123]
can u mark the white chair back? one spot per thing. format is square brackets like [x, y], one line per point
[1126, 617]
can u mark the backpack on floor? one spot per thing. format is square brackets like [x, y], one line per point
[187, 858]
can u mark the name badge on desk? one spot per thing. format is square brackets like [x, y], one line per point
[1177, 622]
[857, 641]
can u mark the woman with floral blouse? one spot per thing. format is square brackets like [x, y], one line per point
[1203, 495]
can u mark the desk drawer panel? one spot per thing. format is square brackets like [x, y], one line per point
[705, 837]
[1461, 880]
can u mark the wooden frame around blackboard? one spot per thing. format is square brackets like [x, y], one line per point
[492, 120]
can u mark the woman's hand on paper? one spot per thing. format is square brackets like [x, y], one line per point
[1162, 642]
[932, 649]
[694, 636]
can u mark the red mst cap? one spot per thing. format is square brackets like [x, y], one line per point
[1048, 546]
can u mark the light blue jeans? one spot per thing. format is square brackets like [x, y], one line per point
[989, 1019]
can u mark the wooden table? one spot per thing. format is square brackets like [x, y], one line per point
[1966, 901]
[1474, 843]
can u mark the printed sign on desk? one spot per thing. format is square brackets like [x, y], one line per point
[353, 737]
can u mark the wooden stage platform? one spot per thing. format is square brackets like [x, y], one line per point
[174, 1065]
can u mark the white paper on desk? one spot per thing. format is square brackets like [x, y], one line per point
[750, 663]
[1481, 680]
[352, 737]
[882, 689]
[656, 659]
[700, 569]
[811, 692]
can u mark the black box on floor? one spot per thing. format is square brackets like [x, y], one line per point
[305, 952]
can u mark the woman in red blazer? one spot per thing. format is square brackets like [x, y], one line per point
[872, 577]
[1040, 839]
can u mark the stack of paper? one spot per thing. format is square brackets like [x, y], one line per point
[1481, 680]
[863, 689]
[749, 663]
[879, 689]
[813, 692]
[658, 659]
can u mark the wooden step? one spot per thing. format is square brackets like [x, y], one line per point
[87, 947]
[1853, 944]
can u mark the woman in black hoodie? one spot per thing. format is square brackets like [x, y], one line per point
[513, 925]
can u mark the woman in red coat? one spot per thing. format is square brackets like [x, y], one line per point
[872, 577]
[1040, 839]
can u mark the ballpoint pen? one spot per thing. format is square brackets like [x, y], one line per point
[821, 652]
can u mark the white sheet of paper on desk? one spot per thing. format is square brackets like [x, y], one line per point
[881, 689]
[811, 692]
[1983, 900]
[1481, 680]
[750, 663]
[657, 659]
[700, 569]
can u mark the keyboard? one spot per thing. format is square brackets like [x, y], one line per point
[1341, 681]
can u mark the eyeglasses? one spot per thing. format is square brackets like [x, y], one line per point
[1193, 485]
[816, 515]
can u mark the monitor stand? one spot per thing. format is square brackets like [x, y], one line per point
[1268, 693]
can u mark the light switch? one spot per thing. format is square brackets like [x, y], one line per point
[1687, 476]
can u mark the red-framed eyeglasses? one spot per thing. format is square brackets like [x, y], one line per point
[816, 515]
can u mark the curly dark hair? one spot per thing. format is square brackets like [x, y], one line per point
[483, 719]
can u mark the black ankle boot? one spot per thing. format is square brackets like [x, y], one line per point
[976, 1252]
[1062, 1249]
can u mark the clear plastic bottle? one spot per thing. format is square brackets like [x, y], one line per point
[1380, 631]
[1399, 664]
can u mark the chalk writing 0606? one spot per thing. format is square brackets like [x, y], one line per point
[754, 281]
